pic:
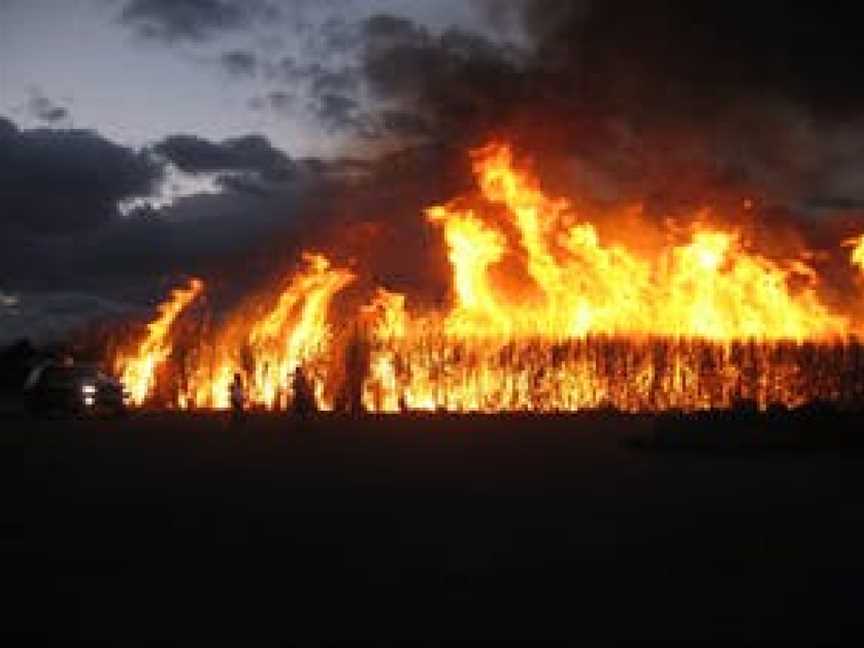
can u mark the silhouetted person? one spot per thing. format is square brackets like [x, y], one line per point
[303, 403]
[238, 399]
[356, 369]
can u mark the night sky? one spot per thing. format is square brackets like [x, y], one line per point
[145, 140]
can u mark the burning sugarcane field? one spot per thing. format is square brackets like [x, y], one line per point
[544, 317]
[327, 322]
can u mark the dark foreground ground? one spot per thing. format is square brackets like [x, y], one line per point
[178, 529]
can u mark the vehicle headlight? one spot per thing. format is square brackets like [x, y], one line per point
[88, 389]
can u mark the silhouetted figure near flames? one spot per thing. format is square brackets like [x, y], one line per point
[356, 370]
[238, 400]
[303, 403]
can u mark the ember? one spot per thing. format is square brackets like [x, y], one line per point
[545, 316]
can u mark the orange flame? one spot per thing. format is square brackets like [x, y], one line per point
[545, 316]
[294, 332]
[710, 287]
[857, 255]
[138, 370]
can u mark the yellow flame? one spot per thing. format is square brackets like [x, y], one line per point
[267, 349]
[138, 370]
[546, 315]
[709, 287]
[857, 256]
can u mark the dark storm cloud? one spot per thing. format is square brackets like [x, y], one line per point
[195, 20]
[62, 181]
[45, 110]
[251, 153]
[60, 232]
[239, 63]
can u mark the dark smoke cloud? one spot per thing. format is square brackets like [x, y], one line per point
[703, 52]
[404, 124]
[455, 81]
[670, 103]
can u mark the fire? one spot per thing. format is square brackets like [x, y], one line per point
[546, 315]
[138, 370]
[708, 287]
[266, 349]
[857, 257]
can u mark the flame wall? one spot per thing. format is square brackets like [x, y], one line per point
[545, 316]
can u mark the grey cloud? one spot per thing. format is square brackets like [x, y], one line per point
[46, 110]
[386, 30]
[278, 101]
[342, 81]
[317, 78]
[341, 113]
[193, 20]
[60, 181]
[240, 63]
[340, 36]
[133, 257]
[289, 70]
[251, 153]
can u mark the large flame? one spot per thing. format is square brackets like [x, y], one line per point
[707, 287]
[266, 349]
[138, 369]
[545, 315]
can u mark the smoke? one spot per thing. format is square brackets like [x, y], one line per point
[668, 103]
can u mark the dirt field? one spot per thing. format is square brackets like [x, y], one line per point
[178, 528]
